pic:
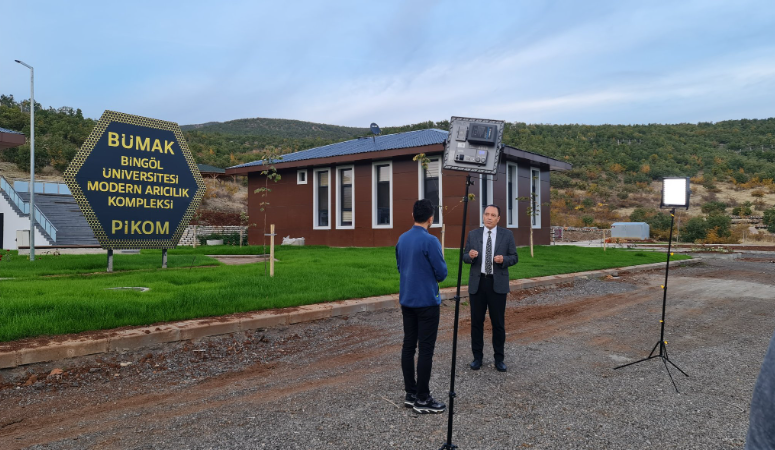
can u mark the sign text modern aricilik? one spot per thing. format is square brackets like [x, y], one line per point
[136, 182]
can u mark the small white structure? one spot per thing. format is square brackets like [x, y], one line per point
[630, 230]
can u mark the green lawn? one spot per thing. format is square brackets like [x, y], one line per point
[70, 293]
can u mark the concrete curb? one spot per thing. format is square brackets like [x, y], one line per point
[198, 328]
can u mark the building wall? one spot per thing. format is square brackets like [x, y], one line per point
[13, 222]
[290, 205]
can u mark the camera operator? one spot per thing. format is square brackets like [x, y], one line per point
[420, 261]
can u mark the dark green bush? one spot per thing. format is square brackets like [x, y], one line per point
[714, 207]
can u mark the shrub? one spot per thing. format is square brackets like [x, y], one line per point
[587, 220]
[228, 239]
[714, 207]
[560, 181]
[742, 210]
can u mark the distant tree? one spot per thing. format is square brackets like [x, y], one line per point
[769, 219]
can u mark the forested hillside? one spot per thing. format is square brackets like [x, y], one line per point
[283, 128]
[614, 166]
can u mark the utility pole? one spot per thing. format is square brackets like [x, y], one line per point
[32, 158]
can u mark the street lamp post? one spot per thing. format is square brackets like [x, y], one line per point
[32, 158]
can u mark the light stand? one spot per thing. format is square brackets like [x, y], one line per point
[448, 445]
[672, 189]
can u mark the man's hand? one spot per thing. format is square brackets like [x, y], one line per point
[498, 259]
[473, 254]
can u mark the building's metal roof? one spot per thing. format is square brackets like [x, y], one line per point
[5, 130]
[204, 168]
[409, 139]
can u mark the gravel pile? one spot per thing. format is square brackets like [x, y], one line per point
[337, 383]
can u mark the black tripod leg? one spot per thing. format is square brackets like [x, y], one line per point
[640, 360]
[672, 364]
[653, 350]
[665, 361]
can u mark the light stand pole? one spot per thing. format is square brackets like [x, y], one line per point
[448, 445]
[675, 194]
[32, 158]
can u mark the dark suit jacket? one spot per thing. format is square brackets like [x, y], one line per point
[504, 245]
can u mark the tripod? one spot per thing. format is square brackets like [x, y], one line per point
[662, 344]
[448, 445]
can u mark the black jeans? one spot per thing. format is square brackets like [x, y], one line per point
[420, 325]
[484, 299]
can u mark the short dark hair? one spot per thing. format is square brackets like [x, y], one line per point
[423, 210]
[496, 207]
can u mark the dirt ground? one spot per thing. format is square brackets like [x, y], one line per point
[336, 383]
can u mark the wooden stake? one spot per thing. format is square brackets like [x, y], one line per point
[443, 231]
[271, 250]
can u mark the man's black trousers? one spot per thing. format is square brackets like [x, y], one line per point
[484, 299]
[420, 326]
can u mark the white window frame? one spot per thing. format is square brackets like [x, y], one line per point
[374, 179]
[514, 194]
[535, 177]
[421, 187]
[315, 173]
[299, 173]
[339, 225]
[485, 201]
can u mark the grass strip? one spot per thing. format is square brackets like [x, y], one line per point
[35, 303]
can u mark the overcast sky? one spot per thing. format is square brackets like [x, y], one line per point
[396, 62]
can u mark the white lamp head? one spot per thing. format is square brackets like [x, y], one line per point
[675, 192]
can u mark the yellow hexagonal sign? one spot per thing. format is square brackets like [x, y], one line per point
[136, 182]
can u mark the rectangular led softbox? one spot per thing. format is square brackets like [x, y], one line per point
[473, 145]
[675, 192]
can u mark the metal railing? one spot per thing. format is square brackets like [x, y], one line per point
[24, 207]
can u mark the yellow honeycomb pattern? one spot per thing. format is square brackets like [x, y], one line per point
[107, 118]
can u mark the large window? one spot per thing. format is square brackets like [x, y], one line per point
[512, 213]
[322, 199]
[382, 194]
[430, 186]
[535, 197]
[485, 195]
[345, 182]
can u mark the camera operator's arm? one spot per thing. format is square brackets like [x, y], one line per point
[436, 258]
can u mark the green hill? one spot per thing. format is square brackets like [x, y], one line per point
[284, 128]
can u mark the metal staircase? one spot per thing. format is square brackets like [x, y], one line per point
[22, 208]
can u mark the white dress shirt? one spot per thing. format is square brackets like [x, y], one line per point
[484, 247]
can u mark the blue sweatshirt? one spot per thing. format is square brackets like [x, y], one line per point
[421, 265]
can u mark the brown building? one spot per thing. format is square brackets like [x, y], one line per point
[360, 193]
[11, 139]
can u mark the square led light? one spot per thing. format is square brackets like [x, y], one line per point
[675, 192]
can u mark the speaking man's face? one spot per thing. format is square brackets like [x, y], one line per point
[491, 217]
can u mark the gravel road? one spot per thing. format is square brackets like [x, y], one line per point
[336, 383]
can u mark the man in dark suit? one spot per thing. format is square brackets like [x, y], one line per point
[490, 250]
